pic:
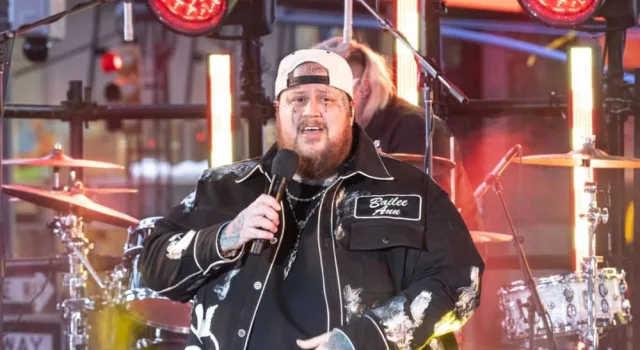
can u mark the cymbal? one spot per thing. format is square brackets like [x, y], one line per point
[418, 160]
[107, 191]
[588, 156]
[66, 201]
[490, 237]
[58, 159]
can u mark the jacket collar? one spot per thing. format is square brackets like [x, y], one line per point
[364, 160]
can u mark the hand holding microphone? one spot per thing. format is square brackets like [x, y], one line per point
[260, 220]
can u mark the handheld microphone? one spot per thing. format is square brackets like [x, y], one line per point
[128, 20]
[283, 168]
[497, 171]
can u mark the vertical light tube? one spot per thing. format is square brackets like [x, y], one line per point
[219, 110]
[407, 22]
[581, 61]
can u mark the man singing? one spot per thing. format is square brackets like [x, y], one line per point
[363, 252]
[399, 125]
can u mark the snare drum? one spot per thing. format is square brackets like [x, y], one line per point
[141, 303]
[565, 298]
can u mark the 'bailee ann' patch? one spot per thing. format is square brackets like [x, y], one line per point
[390, 206]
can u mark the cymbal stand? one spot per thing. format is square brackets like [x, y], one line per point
[594, 216]
[70, 230]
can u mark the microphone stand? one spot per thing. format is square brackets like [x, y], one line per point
[534, 303]
[430, 74]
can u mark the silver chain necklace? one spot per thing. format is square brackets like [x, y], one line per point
[298, 199]
[300, 223]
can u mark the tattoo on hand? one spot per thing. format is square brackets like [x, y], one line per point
[231, 235]
[338, 341]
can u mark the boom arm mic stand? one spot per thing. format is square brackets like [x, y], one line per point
[431, 74]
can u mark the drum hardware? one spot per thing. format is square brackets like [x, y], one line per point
[565, 297]
[57, 159]
[70, 201]
[76, 305]
[594, 216]
[73, 208]
[602, 291]
[140, 302]
[587, 156]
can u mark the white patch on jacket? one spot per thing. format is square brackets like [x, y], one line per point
[188, 202]
[345, 206]
[468, 301]
[178, 244]
[202, 328]
[436, 344]
[352, 302]
[222, 289]
[238, 169]
[398, 326]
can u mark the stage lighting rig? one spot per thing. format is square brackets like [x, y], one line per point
[577, 14]
[191, 17]
[207, 17]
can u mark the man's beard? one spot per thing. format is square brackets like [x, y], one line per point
[322, 164]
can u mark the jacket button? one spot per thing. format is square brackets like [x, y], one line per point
[326, 242]
[385, 240]
[241, 333]
[257, 285]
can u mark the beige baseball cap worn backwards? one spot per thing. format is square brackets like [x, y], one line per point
[339, 77]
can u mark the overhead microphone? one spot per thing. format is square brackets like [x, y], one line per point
[128, 20]
[497, 171]
[284, 166]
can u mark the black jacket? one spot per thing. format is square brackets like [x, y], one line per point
[393, 275]
[400, 128]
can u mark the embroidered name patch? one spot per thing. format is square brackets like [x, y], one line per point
[389, 206]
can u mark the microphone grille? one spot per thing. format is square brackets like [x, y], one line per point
[285, 163]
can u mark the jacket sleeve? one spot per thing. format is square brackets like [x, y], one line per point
[182, 252]
[440, 286]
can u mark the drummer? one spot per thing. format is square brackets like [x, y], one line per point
[398, 125]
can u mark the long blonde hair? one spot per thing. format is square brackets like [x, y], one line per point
[376, 71]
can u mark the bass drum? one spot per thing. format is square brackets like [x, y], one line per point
[565, 298]
[139, 302]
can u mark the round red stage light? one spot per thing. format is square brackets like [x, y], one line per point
[561, 13]
[189, 17]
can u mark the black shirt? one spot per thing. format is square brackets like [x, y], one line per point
[400, 128]
[294, 307]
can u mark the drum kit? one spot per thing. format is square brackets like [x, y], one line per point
[580, 306]
[167, 322]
